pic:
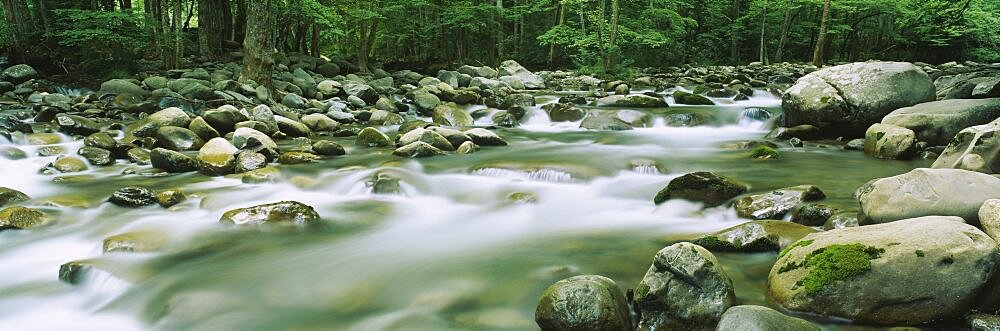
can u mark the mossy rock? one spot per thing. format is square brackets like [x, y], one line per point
[754, 236]
[704, 187]
[587, 302]
[18, 217]
[11, 196]
[371, 137]
[764, 153]
[907, 272]
[136, 241]
[285, 212]
[686, 98]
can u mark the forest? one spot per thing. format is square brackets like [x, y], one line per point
[592, 35]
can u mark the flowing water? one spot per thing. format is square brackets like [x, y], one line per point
[469, 242]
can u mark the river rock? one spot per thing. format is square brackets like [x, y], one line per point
[74, 124]
[685, 289]
[430, 137]
[424, 99]
[328, 148]
[133, 197]
[289, 158]
[249, 161]
[755, 236]
[926, 192]
[975, 148]
[467, 147]
[171, 161]
[135, 241]
[686, 98]
[938, 122]
[319, 122]
[96, 156]
[586, 302]
[122, 86]
[892, 142]
[760, 318]
[100, 140]
[19, 217]
[604, 121]
[285, 212]
[247, 139]
[291, 127]
[563, 112]
[451, 115]
[483, 137]
[10, 196]
[418, 149]
[217, 157]
[67, 164]
[774, 204]
[812, 214]
[636, 100]
[514, 69]
[19, 73]
[170, 198]
[907, 272]
[803, 132]
[704, 187]
[167, 117]
[178, 139]
[372, 137]
[847, 99]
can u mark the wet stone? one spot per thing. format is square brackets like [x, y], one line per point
[285, 212]
[170, 198]
[133, 197]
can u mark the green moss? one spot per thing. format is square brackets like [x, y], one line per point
[764, 152]
[800, 243]
[641, 292]
[920, 253]
[713, 243]
[834, 263]
[662, 196]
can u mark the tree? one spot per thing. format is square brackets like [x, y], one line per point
[821, 40]
[258, 46]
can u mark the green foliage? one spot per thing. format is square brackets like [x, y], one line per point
[833, 263]
[108, 42]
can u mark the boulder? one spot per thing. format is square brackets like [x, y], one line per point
[847, 99]
[319, 122]
[604, 121]
[19, 217]
[133, 197]
[424, 99]
[284, 212]
[938, 122]
[96, 156]
[563, 112]
[451, 115]
[886, 141]
[760, 318]
[704, 187]
[530, 80]
[586, 303]
[685, 289]
[10, 196]
[418, 149]
[907, 272]
[372, 137]
[926, 192]
[483, 137]
[430, 137]
[291, 127]
[989, 218]
[167, 117]
[19, 73]
[754, 236]
[636, 100]
[74, 124]
[217, 157]
[975, 148]
[686, 98]
[122, 87]
[774, 204]
[67, 164]
[178, 139]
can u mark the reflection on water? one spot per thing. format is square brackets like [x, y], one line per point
[459, 246]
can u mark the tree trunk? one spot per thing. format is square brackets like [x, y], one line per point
[785, 26]
[19, 20]
[178, 35]
[554, 49]
[211, 27]
[821, 40]
[763, 22]
[314, 45]
[610, 57]
[258, 60]
[366, 42]
[500, 37]
[240, 22]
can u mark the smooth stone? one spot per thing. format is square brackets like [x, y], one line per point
[927, 192]
[285, 212]
[19, 217]
[754, 236]
[704, 187]
[684, 289]
[372, 137]
[172, 161]
[418, 149]
[586, 303]
[217, 157]
[760, 318]
[774, 204]
[133, 197]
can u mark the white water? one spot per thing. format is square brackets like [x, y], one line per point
[401, 265]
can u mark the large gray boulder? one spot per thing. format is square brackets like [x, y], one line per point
[587, 302]
[847, 99]
[975, 148]
[19, 73]
[685, 289]
[759, 318]
[530, 80]
[926, 192]
[908, 272]
[939, 121]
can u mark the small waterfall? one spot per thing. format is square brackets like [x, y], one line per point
[753, 116]
[73, 92]
[541, 175]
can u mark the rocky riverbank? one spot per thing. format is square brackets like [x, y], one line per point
[872, 263]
